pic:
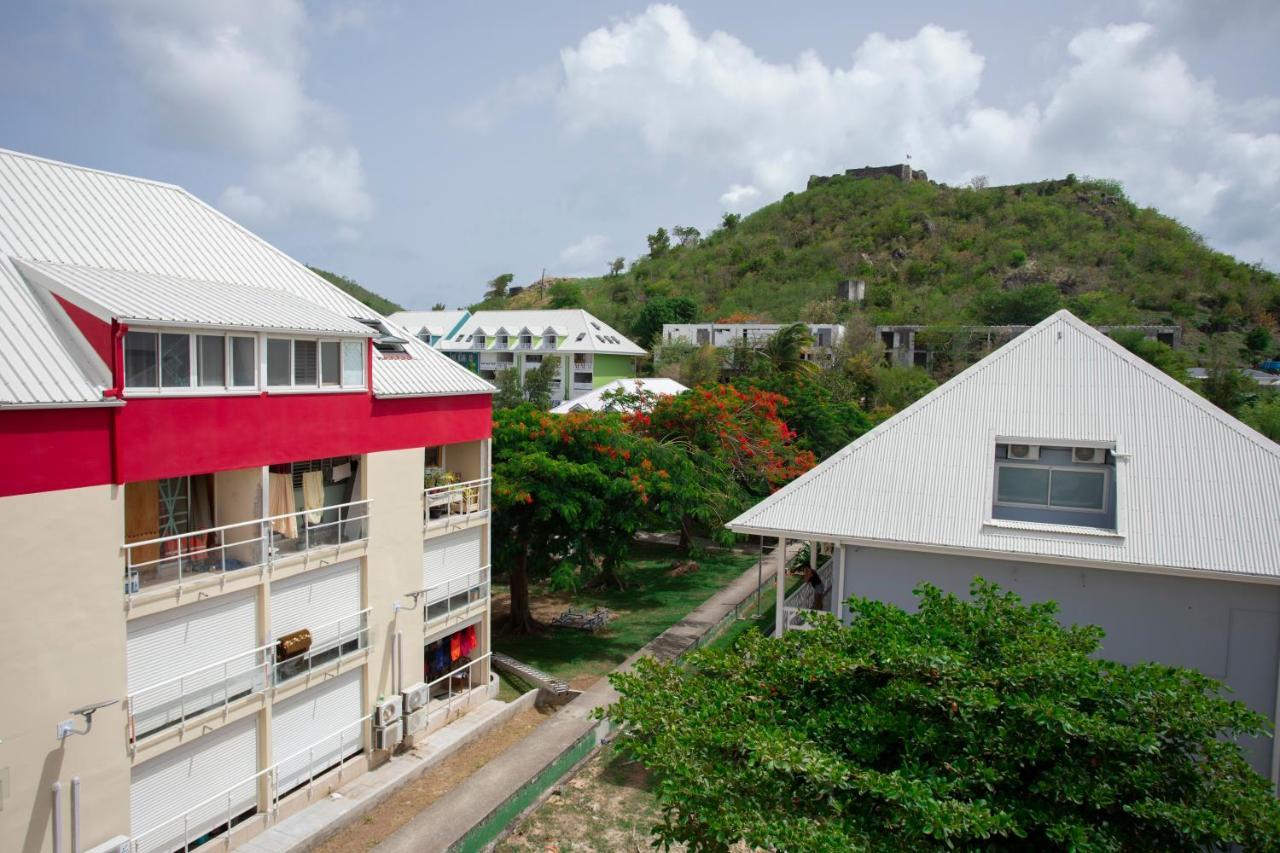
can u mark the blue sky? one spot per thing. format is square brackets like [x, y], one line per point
[423, 148]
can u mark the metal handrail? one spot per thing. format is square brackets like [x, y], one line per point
[272, 774]
[197, 560]
[270, 666]
[444, 496]
[448, 700]
[481, 585]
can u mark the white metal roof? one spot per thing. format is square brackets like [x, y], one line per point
[167, 299]
[1197, 490]
[594, 401]
[63, 214]
[597, 336]
[436, 323]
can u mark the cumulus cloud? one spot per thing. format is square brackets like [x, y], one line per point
[1124, 104]
[586, 254]
[229, 77]
[739, 196]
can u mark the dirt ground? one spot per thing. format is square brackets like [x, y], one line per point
[606, 806]
[388, 817]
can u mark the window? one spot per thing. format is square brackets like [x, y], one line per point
[140, 359]
[175, 361]
[279, 365]
[329, 361]
[211, 361]
[353, 363]
[304, 362]
[1055, 488]
[244, 366]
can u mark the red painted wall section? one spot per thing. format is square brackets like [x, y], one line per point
[46, 450]
[96, 332]
[52, 449]
[196, 435]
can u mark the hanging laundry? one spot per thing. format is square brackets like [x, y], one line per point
[455, 646]
[282, 504]
[313, 495]
[468, 640]
[341, 472]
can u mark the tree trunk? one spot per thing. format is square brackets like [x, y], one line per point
[521, 620]
[686, 534]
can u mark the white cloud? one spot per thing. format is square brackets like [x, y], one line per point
[586, 254]
[1124, 104]
[486, 112]
[229, 77]
[739, 196]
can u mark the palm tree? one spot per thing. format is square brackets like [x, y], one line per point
[785, 350]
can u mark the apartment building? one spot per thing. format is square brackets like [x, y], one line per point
[591, 353]
[824, 336]
[245, 523]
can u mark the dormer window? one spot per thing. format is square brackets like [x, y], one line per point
[1055, 484]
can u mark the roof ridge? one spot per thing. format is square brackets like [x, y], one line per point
[79, 168]
[897, 418]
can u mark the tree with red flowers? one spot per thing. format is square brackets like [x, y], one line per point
[570, 493]
[736, 440]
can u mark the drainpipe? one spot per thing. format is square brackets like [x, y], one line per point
[116, 391]
[75, 814]
[57, 817]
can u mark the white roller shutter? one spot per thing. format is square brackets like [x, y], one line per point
[209, 644]
[316, 729]
[214, 772]
[453, 560]
[317, 600]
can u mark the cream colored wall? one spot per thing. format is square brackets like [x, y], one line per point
[237, 496]
[464, 459]
[394, 483]
[64, 646]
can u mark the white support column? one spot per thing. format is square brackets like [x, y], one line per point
[780, 558]
[813, 556]
[837, 568]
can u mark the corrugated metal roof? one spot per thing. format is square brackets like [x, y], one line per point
[594, 400]
[436, 323]
[1198, 491]
[143, 297]
[597, 336]
[63, 214]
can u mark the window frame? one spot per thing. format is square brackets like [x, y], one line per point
[319, 387]
[1049, 506]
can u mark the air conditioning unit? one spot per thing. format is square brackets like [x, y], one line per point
[388, 737]
[415, 696]
[1024, 451]
[415, 722]
[387, 712]
[1089, 455]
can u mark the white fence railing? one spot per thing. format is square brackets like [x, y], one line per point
[802, 599]
[445, 599]
[229, 548]
[220, 812]
[454, 503]
[156, 707]
[444, 690]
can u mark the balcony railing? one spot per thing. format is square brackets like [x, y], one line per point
[216, 685]
[181, 558]
[456, 595]
[213, 819]
[802, 600]
[456, 685]
[454, 503]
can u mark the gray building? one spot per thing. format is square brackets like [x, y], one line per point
[1064, 468]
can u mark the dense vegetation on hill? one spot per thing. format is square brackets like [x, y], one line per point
[944, 255]
[378, 303]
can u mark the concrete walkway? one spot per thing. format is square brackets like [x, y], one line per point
[477, 811]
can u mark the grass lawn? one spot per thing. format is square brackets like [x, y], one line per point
[653, 601]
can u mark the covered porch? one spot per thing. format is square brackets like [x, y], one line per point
[825, 596]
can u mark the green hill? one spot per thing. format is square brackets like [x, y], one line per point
[378, 303]
[934, 254]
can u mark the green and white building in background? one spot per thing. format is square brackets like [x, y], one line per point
[590, 352]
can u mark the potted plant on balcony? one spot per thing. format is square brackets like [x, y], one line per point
[438, 501]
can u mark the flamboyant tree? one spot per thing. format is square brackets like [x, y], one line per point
[570, 493]
[970, 724]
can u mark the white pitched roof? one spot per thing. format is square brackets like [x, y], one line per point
[143, 297]
[1198, 491]
[595, 402]
[62, 214]
[597, 336]
[433, 322]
